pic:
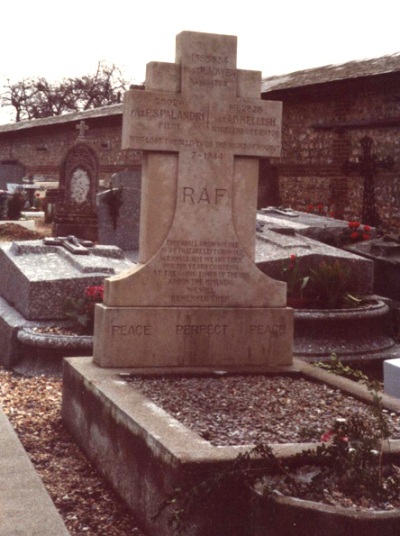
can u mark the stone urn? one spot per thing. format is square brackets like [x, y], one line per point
[288, 516]
[355, 334]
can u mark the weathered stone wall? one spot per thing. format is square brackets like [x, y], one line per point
[310, 170]
[42, 149]
[314, 150]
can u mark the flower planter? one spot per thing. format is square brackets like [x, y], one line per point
[353, 334]
[288, 516]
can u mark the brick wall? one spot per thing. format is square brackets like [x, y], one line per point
[313, 151]
[42, 149]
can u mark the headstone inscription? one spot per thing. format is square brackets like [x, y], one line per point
[75, 209]
[196, 297]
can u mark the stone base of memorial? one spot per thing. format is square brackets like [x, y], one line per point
[193, 337]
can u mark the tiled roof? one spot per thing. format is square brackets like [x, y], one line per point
[331, 73]
[104, 111]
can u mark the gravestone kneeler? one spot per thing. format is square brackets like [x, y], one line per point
[196, 298]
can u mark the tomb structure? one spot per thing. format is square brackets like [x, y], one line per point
[196, 297]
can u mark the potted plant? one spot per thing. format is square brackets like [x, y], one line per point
[81, 310]
[296, 282]
[329, 313]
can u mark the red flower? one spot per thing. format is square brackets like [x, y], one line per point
[310, 207]
[354, 235]
[367, 228]
[327, 436]
[94, 293]
[330, 434]
[292, 257]
[365, 236]
[354, 224]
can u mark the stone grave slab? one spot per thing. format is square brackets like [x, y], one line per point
[201, 124]
[385, 254]
[37, 278]
[315, 226]
[275, 244]
[118, 211]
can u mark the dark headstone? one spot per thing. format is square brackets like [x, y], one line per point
[11, 171]
[75, 209]
[118, 211]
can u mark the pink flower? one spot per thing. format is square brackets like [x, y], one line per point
[327, 436]
[330, 434]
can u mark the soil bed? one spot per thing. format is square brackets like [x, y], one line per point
[240, 410]
[243, 410]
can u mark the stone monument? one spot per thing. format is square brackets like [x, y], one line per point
[196, 297]
[118, 211]
[75, 209]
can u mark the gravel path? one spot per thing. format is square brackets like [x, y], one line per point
[86, 502]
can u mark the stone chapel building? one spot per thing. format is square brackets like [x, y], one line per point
[326, 113]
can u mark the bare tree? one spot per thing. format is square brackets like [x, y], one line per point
[36, 98]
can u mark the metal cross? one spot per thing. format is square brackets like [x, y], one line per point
[367, 166]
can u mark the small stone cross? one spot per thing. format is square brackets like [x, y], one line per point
[71, 243]
[367, 166]
[82, 127]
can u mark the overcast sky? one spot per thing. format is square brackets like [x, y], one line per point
[68, 38]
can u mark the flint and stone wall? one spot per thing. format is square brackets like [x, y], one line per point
[314, 149]
[41, 149]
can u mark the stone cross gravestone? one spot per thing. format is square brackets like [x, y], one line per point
[196, 297]
[368, 166]
[75, 209]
